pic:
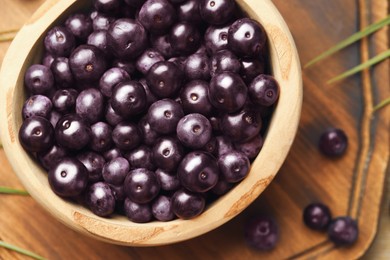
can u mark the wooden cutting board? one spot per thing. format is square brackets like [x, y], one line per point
[352, 185]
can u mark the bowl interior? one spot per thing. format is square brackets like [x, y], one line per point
[27, 48]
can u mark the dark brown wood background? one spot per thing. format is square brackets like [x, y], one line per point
[352, 185]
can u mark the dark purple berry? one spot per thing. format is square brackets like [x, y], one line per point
[72, 132]
[162, 208]
[37, 105]
[147, 59]
[101, 137]
[198, 171]
[164, 79]
[90, 105]
[107, 6]
[115, 171]
[39, 79]
[126, 136]
[194, 130]
[234, 166]
[68, 178]
[112, 154]
[163, 116]
[50, 158]
[80, 25]
[162, 45]
[141, 185]
[62, 74]
[127, 38]
[317, 216]
[167, 153]
[189, 12]
[36, 134]
[216, 38]
[64, 100]
[112, 117]
[99, 40]
[217, 12]
[168, 181]
[184, 38]
[148, 135]
[128, 98]
[251, 68]
[333, 142]
[224, 60]
[157, 16]
[137, 212]
[187, 205]
[343, 231]
[94, 163]
[87, 63]
[227, 92]
[100, 199]
[246, 38]
[59, 41]
[110, 78]
[197, 66]
[141, 157]
[250, 148]
[264, 90]
[102, 21]
[261, 233]
[195, 98]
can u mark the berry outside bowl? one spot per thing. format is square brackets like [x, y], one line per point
[26, 49]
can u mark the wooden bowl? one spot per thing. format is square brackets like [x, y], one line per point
[26, 49]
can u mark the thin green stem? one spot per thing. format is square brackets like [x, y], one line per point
[353, 38]
[6, 190]
[382, 104]
[21, 250]
[380, 57]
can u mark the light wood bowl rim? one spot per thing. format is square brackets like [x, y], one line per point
[119, 230]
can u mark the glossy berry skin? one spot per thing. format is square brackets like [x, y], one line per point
[150, 97]
[250, 148]
[162, 45]
[118, 192]
[112, 154]
[264, 90]
[168, 181]
[163, 116]
[101, 140]
[112, 117]
[80, 25]
[224, 145]
[197, 66]
[198, 171]
[141, 157]
[333, 142]
[126, 136]
[147, 59]
[184, 38]
[194, 98]
[100, 199]
[47, 59]
[94, 163]
[101, 21]
[222, 187]
[110, 78]
[194, 130]
[39, 79]
[107, 6]
[246, 38]
[128, 98]
[227, 92]
[54, 118]
[136, 212]
[68, 178]
[128, 66]
[216, 38]
[234, 166]
[59, 42]
[72, 132]
[167, 153]
[157, 16]
[62, 74]
[99, 39]
[317, 216]
[164, 79]
[141, 185]
[211, 146]
[251, 68]
[115, 171]
[162, 208]
[127, 38]
[51, 157]
[224, 60]
[87, 63]
[64, 100]
[189, 12]
[261, 233]
[217, 12]
[343, 231]
[187, 205]
[90, 105]
[37, 105]
[148, 135]
[36, 134]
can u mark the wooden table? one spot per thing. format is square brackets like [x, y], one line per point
[354, 184]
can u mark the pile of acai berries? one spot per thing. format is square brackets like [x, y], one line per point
[151, 109]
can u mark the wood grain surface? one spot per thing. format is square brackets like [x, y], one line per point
[352, 185]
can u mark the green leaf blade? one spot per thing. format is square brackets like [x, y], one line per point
[6, 190]
[348, 41]
[382, 104]
[21, 250]
[380, 57]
